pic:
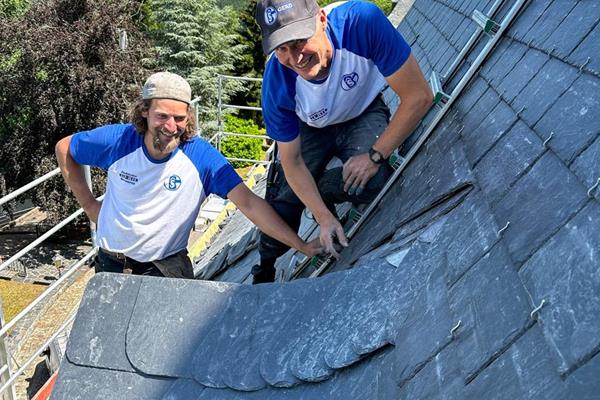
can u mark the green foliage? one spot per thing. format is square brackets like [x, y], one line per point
[12, 8]
[63, 72]
[385, 5]
[242, 147]
[197, 40]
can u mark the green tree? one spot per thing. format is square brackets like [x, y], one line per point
[61, 71]
[12, 8]
[197, 40]
[242, 147]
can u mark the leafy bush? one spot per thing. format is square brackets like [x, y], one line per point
[242, 147]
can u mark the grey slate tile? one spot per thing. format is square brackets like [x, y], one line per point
[573, 118]
[163, 342]
[583, 384]
[96, 342]
[588, 48]
[531, 13]
[482, 108]
[207, 270]
[440, 379]
[524, 371]
[523, 72]
[538, 204]
[479, 140]
[496, 70]
[469, 233]
[544, 89]
[507, 160]
[587, 167]
[206, 358]
[491, 302]
[183, 389]
[312, 296]
[86, 383]
[351, 303]
[574, 27]
[427, 328]
[471, 95]
[564, 272]
[239, 272]
[549, 21]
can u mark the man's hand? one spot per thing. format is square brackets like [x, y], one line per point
[92, 209]
[357, 172]
[332, 229]
[313, 248]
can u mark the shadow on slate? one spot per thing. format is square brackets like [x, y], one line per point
[98, 334]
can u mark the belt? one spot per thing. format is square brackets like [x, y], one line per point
[118, 256]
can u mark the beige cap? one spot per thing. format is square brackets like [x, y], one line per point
[167, 85]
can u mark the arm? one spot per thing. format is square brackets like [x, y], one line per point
[410, 85]
[303, 184]
[268, 221]
[74, 177]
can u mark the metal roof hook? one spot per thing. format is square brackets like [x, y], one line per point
[536, 310]
[584, 64]
[548, 140]
[454, 329]
[501, 231]
[590, 190]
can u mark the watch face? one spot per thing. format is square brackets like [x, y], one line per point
[375, 156]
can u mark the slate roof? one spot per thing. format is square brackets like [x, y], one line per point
[434, 298]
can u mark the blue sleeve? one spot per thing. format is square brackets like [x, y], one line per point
[103, 146]
[278, 103]
[368, 33]
[216, 173]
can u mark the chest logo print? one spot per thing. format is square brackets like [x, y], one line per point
[172, 183]
[128, 178]
[349, 81]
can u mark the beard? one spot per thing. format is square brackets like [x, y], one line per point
[168, 147]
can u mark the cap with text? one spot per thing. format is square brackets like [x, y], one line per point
[282, 21]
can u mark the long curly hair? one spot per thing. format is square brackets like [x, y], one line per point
[141, 123]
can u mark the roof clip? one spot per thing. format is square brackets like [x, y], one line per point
[488, 25]
[536, 310]
[395, 160]
[548, 140]
[454, 329]
[520, 111]
[439, 96]
[501, 231]
[590, 190]
[584, 64]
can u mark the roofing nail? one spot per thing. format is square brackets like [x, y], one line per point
[537, 309]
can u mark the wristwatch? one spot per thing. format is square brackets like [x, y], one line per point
[376, 156]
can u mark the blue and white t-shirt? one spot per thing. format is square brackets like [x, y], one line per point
[150, 205]
[366, 48]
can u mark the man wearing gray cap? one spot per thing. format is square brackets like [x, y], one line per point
[159, 173]
[321, 98]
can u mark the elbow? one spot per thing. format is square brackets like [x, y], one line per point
[62, 147]
[425, 100]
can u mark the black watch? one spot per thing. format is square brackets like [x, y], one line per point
[376, 156]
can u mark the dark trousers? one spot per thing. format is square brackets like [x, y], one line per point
[319, 146]
[177, 265]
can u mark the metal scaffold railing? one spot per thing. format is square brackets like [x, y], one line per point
[7, 376]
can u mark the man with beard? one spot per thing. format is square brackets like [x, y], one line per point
[321, 98]
[159, 173]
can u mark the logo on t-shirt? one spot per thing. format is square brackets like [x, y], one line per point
[318, 114]
[349, 81]
[128, 178]
[172, 183]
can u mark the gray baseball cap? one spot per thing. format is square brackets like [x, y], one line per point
[285, 20]
[167, 85]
